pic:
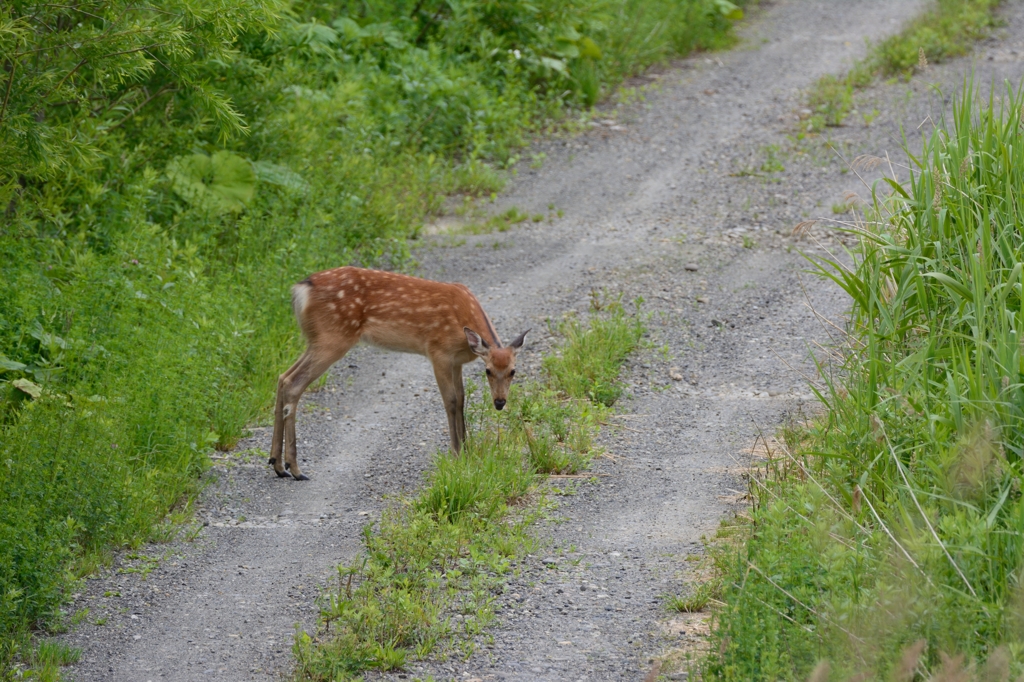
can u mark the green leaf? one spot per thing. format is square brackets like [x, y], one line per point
[349, 28]
[26, 386]
[47, 339]
[282, 176]
[729, 10]
[7, 364]
[588, 48]
[222, 183]
[959, 287]
[554, 64]
[566, 48]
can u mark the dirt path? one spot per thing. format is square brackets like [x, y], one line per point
[683, 201]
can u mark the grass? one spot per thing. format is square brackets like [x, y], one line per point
[144, 306]
[431, 570]
[887, 534]
[587, 366]
[949, 29]
[697, 600]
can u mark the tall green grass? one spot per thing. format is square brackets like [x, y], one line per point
[426, 582]
[146, 251]
[897, 516]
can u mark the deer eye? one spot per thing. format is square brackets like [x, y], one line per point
[489, 373]
[511, 373]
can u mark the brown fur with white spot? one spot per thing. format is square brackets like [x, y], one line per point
[442, 321]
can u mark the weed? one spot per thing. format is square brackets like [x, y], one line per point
[589, 363]
[697, 600]
[771, 163]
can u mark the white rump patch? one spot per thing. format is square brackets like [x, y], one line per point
[300, 299]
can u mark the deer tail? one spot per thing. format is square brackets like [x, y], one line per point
[300, 298]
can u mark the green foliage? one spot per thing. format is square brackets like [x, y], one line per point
[947, 30]
[168, 169]
[76, 75]
[448, 548]
[897, 516]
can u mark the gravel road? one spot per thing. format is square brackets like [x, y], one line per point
[687, 198]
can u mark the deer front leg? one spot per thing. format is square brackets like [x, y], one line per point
[460, 403]
[444, 374]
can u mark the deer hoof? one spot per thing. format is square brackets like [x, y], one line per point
[281, 474]
[302, 477]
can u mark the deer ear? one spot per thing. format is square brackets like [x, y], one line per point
[517, 343]
[476, 344]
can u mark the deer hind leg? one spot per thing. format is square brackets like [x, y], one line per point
[444, 373]
[277, 442]
[314, 362]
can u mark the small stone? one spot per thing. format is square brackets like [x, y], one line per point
[691, 267]
[702, 299]
[549, 561]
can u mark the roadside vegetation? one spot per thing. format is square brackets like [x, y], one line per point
[435, 563]
[168, 169]
[950, 28]
[886, 537]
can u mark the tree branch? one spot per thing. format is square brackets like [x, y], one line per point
[136, 110]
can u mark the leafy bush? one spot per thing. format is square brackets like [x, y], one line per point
[897, 516]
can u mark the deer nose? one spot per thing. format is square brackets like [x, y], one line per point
[499, 403]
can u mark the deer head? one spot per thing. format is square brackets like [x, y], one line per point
[500, 363]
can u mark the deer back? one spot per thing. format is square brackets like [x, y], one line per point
[393, 311]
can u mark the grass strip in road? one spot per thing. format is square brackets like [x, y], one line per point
[428, 578]
[950, 28]
[887, 535]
